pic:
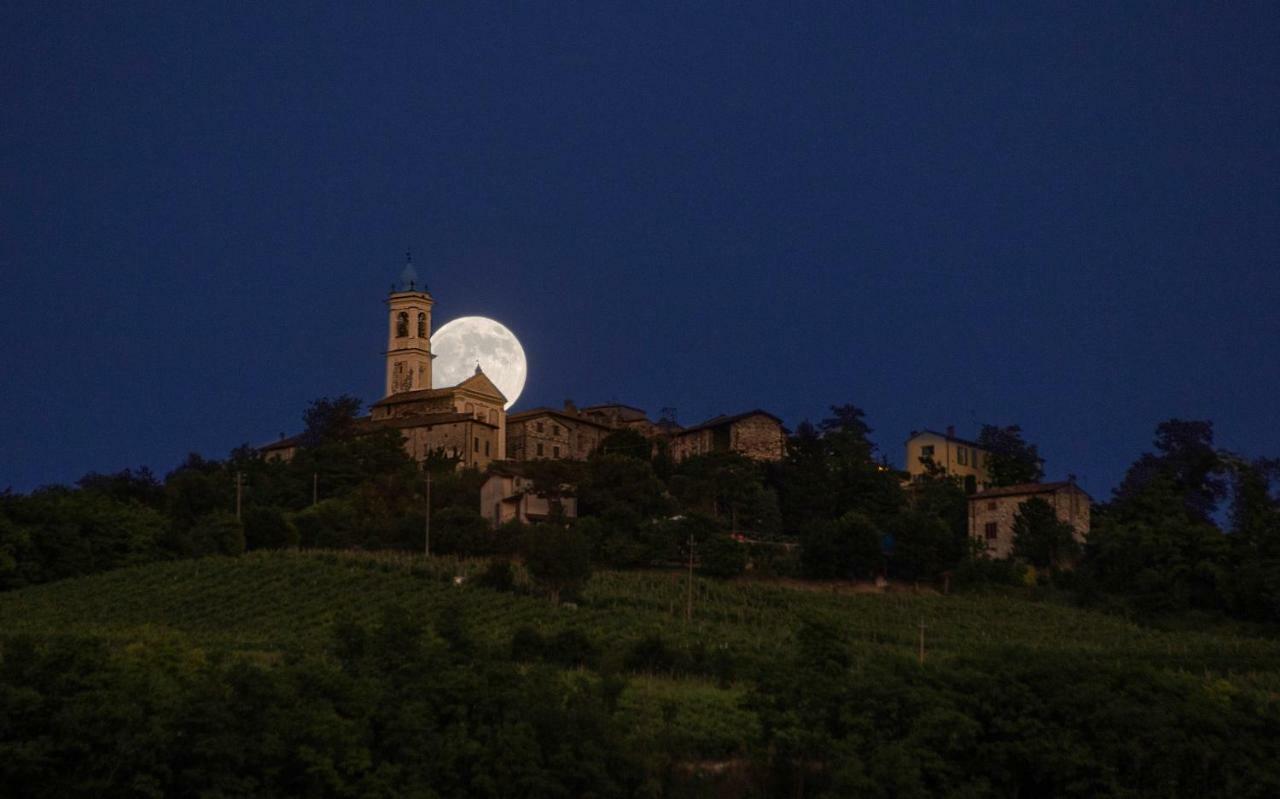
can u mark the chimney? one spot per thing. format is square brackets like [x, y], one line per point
[951, 431]
[569, 407]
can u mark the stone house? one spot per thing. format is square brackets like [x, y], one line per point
[543, 433]
[991, 512]
[757, 434]
[508, 495]
[957, 457]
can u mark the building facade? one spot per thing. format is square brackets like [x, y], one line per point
[991, 512]
[546, 433]
[507, 495]
[956, 457]
[755, 434]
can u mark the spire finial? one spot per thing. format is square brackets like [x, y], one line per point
[477, 366]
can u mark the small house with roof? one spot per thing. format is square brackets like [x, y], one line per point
[991, 512]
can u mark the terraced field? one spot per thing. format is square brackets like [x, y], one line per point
[288, 601]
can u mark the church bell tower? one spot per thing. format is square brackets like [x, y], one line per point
[409, 334]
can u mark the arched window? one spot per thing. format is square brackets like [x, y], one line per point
[422, 325]
[402, 325]
[469, 408]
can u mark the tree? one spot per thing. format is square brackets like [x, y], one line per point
[330, 419]
[843, 548]
[621, 485]
[923, 545]
[1040, 538]
[1010, 459]
[627, 442]
[268, 528]
[558, 559]
[728, 487]
[217, 534]
[719, 555]
[831, 470]
[1187, 462]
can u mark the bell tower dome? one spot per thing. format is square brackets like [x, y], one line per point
[409, 333]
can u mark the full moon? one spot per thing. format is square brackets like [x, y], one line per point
[468, 340]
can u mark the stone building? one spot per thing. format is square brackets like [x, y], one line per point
[957, 457]
[508, 495]
[546, 433]
[467, 421]
[757, 434]
[991, 512]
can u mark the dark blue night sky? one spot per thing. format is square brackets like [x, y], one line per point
[1068, 220]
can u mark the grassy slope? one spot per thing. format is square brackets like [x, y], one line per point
[282, 602]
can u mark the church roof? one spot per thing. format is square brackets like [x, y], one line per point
[481, 384]
[1025, 489]
[413, 396]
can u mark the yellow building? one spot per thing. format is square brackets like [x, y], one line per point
[956, 457]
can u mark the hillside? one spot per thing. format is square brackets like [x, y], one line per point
[688, 701]
[281, 602]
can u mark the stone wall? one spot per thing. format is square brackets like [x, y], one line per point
[1070, 504]
[551, 436]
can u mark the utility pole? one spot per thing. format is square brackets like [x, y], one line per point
[922, 642]
[315, 487]
[688, 607]
[239, 492]
[427, 529]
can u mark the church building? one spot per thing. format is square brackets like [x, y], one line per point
[467, 421]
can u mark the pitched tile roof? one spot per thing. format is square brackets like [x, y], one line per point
[1025, 489]
[723, 420]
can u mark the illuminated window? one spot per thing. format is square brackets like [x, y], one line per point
[991, 531]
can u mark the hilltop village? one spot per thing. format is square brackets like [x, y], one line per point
[469, 423]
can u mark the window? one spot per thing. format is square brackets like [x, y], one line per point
[991, 505]
[469, 409]
[962, 456]
[422, 325]
[539, 450]
[555, 452]
[486, 449]
[477, 447]
[991, 529]
[555, 429]
[402, 325]
[926, 451]
[539, 426]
